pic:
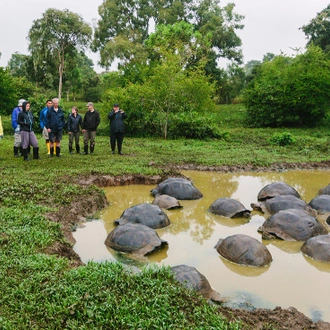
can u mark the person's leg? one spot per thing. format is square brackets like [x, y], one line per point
[77, 137]
[112, 142]
[70, 142]
[51, 144]
[46, 137]
[86, 139]
[58, 143]
[34, 144]
[24, 144]
[120, 138]
[17, 144]
[92, 141]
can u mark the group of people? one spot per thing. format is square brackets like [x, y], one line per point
[52, 123]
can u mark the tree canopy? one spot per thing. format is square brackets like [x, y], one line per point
[318, 30]
[55, 36]
[125, 25]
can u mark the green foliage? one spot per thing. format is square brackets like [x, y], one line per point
[318, 30]
[282, 139]
[192, 125]
[56, 36]
[8, 92]
[290, 91]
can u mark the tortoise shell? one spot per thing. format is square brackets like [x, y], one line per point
[317, 248]
[229, 207]
[191, 278]
[275, 189]
[291, 225]
[244, 250]
[146, 214]
[179, 188]
[167, 202]
[134, 238]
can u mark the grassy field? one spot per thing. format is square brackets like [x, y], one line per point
[43, 291]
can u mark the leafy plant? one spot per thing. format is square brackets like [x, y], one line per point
[282, 139]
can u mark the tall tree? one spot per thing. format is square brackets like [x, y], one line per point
[318, 30]
[125, 25]
[56, 35]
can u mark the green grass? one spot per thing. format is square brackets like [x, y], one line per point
[42, 291]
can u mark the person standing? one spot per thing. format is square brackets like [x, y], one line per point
[74, 125]
[16, 127]
[43, 121]
[25, 120]
[117, 128]
[90, 123]
[55, 123]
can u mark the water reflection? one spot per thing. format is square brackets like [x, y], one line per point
[244, 270]
[291, 280]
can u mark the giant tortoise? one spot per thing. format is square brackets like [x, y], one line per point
[229, 207]
[291, 225]
[179, 188]
[321, 203]
[134, 238]
[145, 213]
[244, 250]
[325, 190]
[317, 248]
[275, 189]
[191, 278]
[167, 202]
[282, 202]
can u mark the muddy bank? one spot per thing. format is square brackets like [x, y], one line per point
[79, 210]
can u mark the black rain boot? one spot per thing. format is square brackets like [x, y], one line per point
[25, 154]
[78, 149]
[91, 150]
[16, 152]
[70, 149]
[36, 153]
[58, 151]
[51, 152]
[86, 150]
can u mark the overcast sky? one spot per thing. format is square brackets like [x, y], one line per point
[270, 26]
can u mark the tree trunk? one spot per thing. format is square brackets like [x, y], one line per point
[60, 71]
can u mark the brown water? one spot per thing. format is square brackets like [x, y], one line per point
[291, 280]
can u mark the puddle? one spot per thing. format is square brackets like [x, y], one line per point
[291, 280]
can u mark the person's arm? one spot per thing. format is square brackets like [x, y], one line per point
[98, 120]
[111, 114]
[41, 119]
[14, 118]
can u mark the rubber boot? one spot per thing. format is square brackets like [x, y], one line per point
[70, 149]
[16, 152]
[86, 150]
[78, 149]
[91, 149]
[48, 147]
[36, 153]
[58, 151]
[25, 154]
[51, 152]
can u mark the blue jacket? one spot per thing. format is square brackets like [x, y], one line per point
[55, 119]
[43, 117]
[14, 118]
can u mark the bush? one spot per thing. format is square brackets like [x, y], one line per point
[282, 139]
[290, 91]
[192, 125]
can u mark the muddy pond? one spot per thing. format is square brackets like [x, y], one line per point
[292, 279]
